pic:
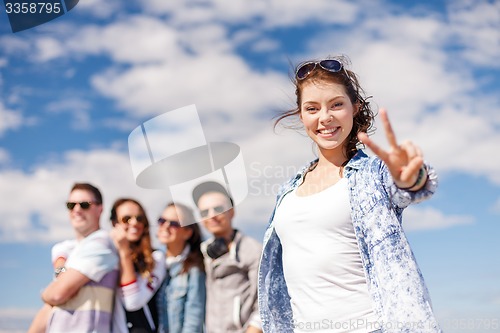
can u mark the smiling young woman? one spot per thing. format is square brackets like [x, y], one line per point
[142, 270]
[181, 298]
[335, 252]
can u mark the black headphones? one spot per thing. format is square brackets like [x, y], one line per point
[219, 246]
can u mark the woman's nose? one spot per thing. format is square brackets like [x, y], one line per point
[325, 117]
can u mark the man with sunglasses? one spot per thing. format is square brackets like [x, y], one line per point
[82, 293]
[231, 265]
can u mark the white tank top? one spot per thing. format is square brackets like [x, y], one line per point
[322, 264]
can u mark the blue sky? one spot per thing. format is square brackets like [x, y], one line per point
[73, 89]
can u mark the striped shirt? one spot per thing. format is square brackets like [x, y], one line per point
[90, 310]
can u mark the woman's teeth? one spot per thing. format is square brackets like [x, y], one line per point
[328, 131]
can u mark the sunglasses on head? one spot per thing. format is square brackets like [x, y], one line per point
[83, 204]
[174, 224]
[216, 209]
[306, 68]
[139, 218]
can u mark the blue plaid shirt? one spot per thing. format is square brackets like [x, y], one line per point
[400, 298]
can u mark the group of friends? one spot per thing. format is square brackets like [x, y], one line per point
[334, 252]
[117, 282]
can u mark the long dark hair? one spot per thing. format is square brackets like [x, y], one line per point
[142, 251]
[195, 257]
[363, 119]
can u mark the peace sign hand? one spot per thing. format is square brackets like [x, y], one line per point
[404, 161]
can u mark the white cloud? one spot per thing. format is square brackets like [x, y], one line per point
[454, 136]
[205, 39]
[243, 36]
[68, 105]
[273, 13]
[217, 83]
[48, 48]
[77, 108]
[98, 9]
[255, 40]
[38, 214]
[13, 45]
[265, 45]
[278, 13]
[136, 39]
[415, 219]
[477, 24]
[9, 119]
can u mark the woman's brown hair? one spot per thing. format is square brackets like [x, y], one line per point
[142, 251]
[195, 257]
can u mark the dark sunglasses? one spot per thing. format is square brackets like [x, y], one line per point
[173, 224]
[306, 68]
[139, 218]
[217, 210]
[83, 204]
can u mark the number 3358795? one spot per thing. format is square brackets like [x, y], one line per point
[33, 8]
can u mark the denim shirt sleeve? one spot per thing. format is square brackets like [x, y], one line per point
[194, 315]
[403, 198]
[395, 282]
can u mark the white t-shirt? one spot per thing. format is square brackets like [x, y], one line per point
[322, 264]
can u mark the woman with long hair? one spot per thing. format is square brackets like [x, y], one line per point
[181, 298]
[142, 269]
[335, 252]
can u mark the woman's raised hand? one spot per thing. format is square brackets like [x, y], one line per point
[119, 236]
[404, 160]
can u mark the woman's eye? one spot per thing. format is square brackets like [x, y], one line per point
[311, 109]
[337, 105]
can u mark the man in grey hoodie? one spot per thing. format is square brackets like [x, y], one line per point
[231, 264]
